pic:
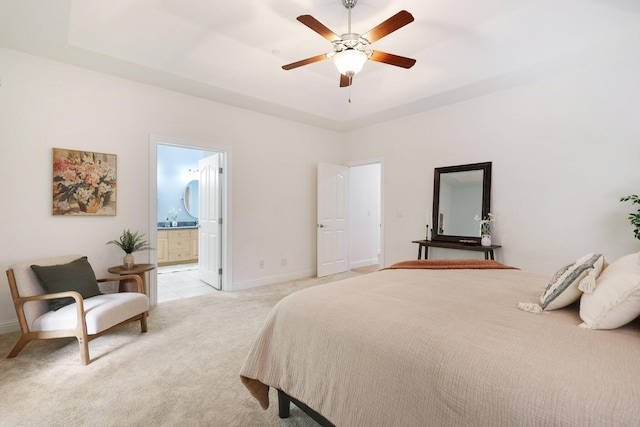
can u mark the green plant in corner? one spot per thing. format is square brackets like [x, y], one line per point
[634, 218]
[131, 242]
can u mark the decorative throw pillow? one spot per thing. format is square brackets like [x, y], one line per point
[616, 300]
[569, 283]
[74, 276]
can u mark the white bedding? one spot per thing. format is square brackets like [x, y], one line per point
[444, 348]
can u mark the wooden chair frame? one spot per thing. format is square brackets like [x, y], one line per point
[80, 331]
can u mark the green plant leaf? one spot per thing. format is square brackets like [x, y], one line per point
[131, 242]
[634, 218]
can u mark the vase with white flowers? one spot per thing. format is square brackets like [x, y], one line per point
[485, 228]
[173, 216]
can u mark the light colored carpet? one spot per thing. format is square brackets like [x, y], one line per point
[184, 371]
[367, 269]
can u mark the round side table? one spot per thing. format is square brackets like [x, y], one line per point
[130, 285]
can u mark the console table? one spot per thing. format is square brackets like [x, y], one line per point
[426, 244]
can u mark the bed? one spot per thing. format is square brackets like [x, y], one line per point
[443, 347]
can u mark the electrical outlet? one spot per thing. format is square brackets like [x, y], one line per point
[283, 262]
[261, 264]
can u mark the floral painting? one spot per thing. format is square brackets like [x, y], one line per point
[84, 183]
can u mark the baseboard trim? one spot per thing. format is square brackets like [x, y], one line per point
[9, 327]
[270, 280]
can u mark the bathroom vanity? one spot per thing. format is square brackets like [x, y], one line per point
[177, 245]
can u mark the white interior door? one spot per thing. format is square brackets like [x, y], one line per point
[332, 223]
[209, 221]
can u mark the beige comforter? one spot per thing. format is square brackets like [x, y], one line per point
[444, 348]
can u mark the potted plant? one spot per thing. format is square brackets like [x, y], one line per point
[173, 216]
[130, 242]
[485, 228]
[634, 218]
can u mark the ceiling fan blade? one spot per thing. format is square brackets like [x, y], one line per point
[318, 27]
[397, 21]
[345, 81]
[388, 58]
[305, 62]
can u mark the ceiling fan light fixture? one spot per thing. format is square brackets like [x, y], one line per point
[350, 61]
[352, 50]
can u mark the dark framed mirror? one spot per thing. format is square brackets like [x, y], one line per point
[459, 194]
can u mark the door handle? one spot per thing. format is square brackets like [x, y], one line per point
[320, 225]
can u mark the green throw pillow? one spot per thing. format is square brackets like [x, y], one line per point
[74, 276]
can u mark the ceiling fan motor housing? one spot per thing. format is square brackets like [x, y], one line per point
[349, 4]
[351, 41]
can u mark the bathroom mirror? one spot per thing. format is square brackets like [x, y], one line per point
[459, 194]
[191, 198]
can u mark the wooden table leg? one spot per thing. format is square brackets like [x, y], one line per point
[426, 251]
[130, 285]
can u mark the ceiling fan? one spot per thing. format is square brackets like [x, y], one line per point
[352, 50]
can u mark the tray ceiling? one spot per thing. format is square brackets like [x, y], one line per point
[232, 52]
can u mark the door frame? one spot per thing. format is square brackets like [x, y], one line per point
[380, 161]
[226, 209]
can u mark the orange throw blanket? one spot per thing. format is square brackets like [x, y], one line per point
[444, 264]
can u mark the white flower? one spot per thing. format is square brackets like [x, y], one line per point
[173, 213]
[485, 224]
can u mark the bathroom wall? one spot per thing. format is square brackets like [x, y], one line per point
[176, 167]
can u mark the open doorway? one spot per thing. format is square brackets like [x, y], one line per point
[365, 217]
[350, 219]
[175, 226]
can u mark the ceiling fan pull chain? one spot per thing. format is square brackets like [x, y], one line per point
[350, 81]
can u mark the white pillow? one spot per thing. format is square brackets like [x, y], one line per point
[569, 283]
[616, 300]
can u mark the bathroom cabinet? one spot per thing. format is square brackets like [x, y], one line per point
[177, 246]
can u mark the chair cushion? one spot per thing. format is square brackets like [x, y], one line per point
[102, 312]
[28, 284]
[74, 276]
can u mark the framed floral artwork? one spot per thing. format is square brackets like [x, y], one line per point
[84, 183]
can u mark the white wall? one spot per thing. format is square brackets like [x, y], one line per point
[564, 150]
[46, 104]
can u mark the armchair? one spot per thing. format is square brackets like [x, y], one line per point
[84, 318]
